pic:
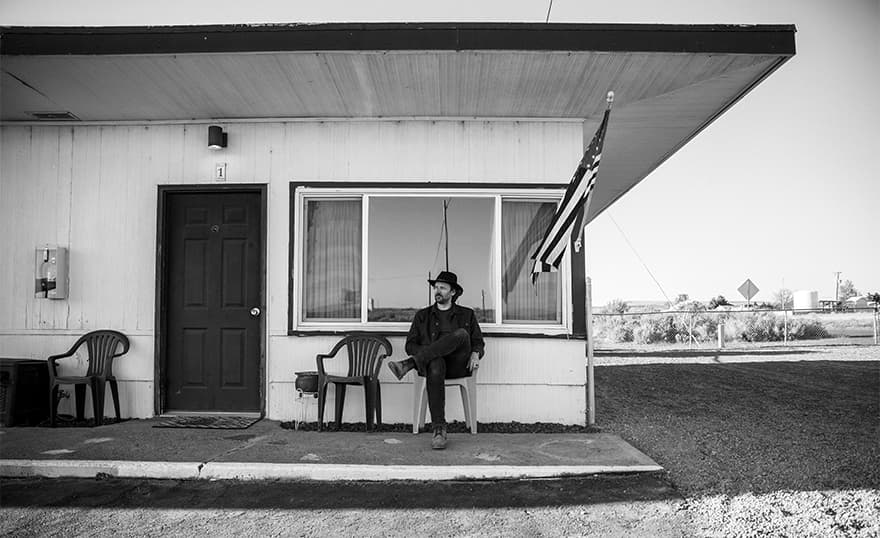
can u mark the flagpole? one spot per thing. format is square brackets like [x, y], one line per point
[588, 318]
[569, 218]
[588, 315]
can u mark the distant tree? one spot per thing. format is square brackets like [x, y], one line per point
[682, 297]
[874, 297]
[784, 298]
[616, 306]
[715, 302]
[847, 290]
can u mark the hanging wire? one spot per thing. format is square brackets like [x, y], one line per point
[439, 245]
[548, 11]
[447, 203]
[446, 231]
[625, 238]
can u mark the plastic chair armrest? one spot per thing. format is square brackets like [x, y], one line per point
[53, 367]
[319, 360]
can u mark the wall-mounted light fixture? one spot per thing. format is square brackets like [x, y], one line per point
[216, 137]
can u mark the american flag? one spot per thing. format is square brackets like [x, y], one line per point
[549, 254]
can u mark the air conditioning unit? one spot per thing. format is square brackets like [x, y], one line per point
[24, 392]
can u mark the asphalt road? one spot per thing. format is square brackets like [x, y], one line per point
[624, 505]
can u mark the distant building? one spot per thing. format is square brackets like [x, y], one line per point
[856, 302]
[805, 299]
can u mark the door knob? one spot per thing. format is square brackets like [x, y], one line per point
[255, 311]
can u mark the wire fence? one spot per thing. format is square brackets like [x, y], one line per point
[695, 325]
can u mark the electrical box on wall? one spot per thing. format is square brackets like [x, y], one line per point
[50, 272]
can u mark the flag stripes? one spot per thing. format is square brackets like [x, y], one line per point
[549, 253]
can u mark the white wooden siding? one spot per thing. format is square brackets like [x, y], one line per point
[93, 189]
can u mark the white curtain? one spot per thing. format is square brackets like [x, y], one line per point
[522, 227]
[332, 280]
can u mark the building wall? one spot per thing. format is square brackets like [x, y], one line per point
[93, 189]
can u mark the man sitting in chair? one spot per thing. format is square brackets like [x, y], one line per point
[444, 341]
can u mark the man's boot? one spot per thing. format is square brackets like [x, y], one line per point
[438, 442]
[400, 368]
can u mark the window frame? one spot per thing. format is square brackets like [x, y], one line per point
[300, 192]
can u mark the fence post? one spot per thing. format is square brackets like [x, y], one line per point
[720, 332]
[784, 322]
[877, 325]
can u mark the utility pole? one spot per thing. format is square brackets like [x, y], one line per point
[836, 286]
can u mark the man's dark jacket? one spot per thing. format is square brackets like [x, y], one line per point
[425, 328]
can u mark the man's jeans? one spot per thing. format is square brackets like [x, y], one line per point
[446, 358]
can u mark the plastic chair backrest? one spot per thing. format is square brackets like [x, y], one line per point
[363, 353]
[102, 346]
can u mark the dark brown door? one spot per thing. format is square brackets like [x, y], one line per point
[213, 301]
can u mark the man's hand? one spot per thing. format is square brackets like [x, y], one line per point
[474, 362]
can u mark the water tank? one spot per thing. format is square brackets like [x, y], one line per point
[806, 300]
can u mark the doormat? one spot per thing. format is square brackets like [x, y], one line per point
[207, 422]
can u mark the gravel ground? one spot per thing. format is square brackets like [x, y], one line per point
[777, 442]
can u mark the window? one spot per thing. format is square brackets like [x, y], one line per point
[365, 257]
[522, 227]
[332, 271]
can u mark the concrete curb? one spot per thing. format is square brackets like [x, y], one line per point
[92, 468]
[298, 471]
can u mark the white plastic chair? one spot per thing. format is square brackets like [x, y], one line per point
[468, 388]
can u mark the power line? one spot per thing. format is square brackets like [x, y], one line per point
[548, 11]
[625, 238]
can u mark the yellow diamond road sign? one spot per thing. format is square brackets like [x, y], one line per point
[748, 289]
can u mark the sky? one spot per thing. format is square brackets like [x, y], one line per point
[782, 189]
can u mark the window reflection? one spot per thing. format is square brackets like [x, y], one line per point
[408, 242]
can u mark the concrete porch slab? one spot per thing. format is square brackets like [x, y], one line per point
[267, 451]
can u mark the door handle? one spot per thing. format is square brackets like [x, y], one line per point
[255, 311]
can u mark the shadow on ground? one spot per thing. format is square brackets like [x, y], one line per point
[693, 353]
[162, 494]
[749, 427]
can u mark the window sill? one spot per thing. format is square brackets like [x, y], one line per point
[397, 332]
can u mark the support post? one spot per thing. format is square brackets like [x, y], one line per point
[588, 317]
[720, 332]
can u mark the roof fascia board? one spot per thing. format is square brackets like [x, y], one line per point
[721, 39]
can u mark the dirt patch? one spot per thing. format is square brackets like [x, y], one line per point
[749, 427]
[787, 448]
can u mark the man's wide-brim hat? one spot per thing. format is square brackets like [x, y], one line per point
[450, 278]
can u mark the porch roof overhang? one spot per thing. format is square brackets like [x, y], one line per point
[670, 81]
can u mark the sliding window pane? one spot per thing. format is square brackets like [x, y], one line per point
[332, 268]
[522, 227]
[408, 241]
